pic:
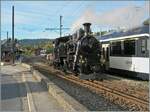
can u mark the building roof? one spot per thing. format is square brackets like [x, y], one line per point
[135, 31]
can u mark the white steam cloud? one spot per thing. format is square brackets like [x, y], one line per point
[126, 17]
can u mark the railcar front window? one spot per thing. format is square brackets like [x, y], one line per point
[129, 47]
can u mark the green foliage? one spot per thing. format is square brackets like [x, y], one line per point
[30, 49]
[147, 22]
[49, 50]
[33, 42]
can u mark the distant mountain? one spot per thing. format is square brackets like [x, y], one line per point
[32, 42]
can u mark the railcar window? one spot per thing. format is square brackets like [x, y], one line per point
[143, 46]
[116, 49]
[103, 52]
[129, 47]
[107, 55]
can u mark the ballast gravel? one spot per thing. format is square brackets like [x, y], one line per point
[89, 99]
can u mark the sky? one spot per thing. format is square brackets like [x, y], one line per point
[32, 17]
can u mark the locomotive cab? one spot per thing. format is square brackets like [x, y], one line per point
[60, 52]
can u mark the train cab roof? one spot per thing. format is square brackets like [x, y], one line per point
[63, 39]
[135, 32]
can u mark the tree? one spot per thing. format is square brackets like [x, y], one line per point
[147, 22]
[30, 49]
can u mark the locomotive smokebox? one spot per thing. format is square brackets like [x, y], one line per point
[87, 28]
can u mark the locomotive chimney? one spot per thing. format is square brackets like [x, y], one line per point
[87, 28]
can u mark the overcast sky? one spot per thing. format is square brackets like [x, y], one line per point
[32, 17]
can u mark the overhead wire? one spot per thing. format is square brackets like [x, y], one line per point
[75, 12]
[37, 14]
[61, 10]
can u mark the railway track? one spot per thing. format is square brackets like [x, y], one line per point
[115, 96]
[124, 87]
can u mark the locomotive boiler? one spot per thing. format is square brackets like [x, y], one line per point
[79, 53]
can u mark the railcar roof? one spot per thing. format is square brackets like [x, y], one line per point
[135, 31]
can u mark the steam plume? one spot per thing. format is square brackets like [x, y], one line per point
[126, 17]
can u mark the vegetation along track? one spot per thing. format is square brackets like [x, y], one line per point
[116, 96]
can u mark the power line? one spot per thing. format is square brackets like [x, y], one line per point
[56, 29]
[60, 27]
[61, 9]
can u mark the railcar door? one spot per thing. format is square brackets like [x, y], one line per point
[105, 56]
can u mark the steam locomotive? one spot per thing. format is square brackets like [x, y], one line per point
[78, 53]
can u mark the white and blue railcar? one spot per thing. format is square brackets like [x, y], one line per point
[127, 52]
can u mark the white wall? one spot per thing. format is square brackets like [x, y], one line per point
[137, 64]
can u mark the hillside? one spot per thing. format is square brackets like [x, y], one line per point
[32, 42]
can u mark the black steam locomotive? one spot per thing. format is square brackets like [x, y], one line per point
[79, 53]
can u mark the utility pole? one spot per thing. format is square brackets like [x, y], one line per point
[13, 54]
[60, 25]
[7, 38]
[7, 35]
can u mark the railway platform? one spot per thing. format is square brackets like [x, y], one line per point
[20, 91]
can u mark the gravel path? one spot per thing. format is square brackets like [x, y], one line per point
[86, 97]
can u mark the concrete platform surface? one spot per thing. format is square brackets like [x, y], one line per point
[21, 92]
